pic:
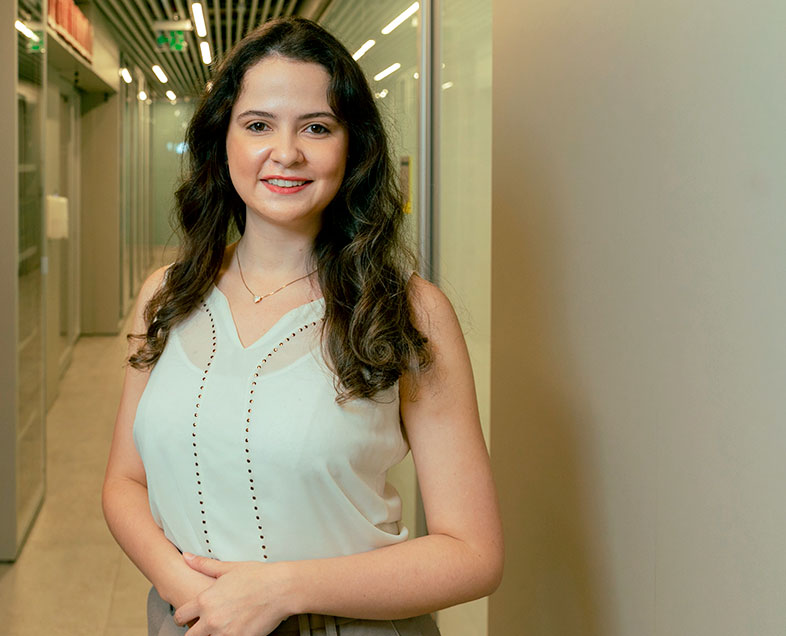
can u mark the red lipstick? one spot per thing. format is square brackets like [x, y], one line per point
[279, 188]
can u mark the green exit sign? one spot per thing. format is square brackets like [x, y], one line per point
[171, 41]
[37, 44]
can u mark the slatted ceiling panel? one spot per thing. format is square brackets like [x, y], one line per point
[252, 13]
[228, 15]
[265, 10]
[240, 17]
[28, 8]
[227, 22]
[132, 39]
[133, 31]
[218, 53]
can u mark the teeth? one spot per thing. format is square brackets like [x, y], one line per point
[285, 183]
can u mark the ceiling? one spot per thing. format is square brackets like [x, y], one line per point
[132, 23]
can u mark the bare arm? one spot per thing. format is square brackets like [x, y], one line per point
[124, 499]
[461, 558]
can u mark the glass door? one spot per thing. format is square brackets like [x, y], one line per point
[27, 453]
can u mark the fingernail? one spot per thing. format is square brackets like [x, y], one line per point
[188, 556]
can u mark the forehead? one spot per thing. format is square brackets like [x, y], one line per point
[283, 82]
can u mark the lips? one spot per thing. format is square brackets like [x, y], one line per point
[284, 185]
[287, 183]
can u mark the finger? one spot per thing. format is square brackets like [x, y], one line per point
[197, 628]
[187, 613]
[211, 567]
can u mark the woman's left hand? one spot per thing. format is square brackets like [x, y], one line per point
[247, 598]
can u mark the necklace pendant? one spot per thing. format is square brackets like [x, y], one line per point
[257, 298]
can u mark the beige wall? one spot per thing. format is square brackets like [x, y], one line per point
[638, 360]
[100, 215]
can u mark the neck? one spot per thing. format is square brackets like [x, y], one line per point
[276, 250]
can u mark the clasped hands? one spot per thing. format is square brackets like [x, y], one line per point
[246, 599]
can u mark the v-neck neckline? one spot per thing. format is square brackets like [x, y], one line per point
[232, 325]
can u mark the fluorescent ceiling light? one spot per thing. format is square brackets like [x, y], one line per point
[26, 31]
[160, 74]
[199, 19]
[125, 75]
[171, 96]
[447, 85]
[390, 69]
[396, 21]
[142, 96]
[363, 49]
[204, 47]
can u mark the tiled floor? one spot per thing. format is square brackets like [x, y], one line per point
[71, 578]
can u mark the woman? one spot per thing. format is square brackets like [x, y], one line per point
[280, 376]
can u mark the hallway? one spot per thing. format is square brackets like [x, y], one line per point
[71, 577]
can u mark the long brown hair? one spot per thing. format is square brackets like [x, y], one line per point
[362, 260]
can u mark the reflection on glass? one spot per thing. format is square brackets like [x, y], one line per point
[135, 221]
[30, 416]
[390, 65]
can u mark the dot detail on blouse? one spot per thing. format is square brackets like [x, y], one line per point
[247, 449]
[194, 430]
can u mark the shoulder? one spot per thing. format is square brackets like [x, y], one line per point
[152, 284]
[432, 312]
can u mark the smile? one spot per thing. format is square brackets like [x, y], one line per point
[285, 186]
[286, 183]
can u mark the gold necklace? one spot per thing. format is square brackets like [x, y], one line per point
[258, 298]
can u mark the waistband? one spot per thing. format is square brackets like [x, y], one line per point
[304, 624]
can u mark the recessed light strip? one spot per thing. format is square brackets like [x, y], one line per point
[199, 19]
[171, 96]
[160, 74]
[204, 47]
[26, 31]
[126, 75]
[398, 20]
[390, 69]
[363, 49]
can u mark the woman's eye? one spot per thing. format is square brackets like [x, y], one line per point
[257, 126]
[317, 129]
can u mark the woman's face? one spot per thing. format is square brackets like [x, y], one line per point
[285, 148]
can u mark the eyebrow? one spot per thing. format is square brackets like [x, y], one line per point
[266, 115]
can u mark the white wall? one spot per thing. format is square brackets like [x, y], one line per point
[638, 351]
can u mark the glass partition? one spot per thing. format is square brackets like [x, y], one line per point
[61, 228]
[135, 221]
[31, 107]
[391, 66]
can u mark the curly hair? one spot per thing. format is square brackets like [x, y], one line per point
[361, 257]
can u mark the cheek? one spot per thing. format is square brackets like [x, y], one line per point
[340, 162]
[241, 156]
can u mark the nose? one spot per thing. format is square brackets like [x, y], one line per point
[285, 149]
